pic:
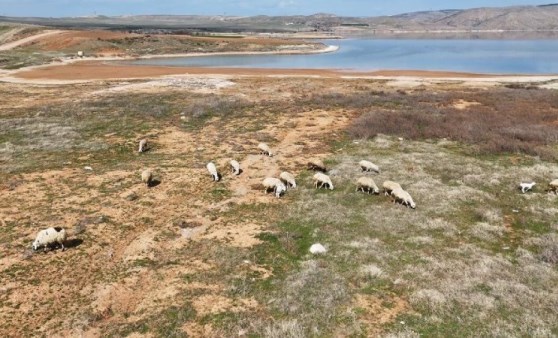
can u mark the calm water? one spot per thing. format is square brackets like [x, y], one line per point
[484, 56]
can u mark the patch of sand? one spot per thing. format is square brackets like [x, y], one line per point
[462, 104]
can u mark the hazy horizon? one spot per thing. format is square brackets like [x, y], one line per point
[358, 8]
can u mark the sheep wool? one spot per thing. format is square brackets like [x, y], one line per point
[235, 167]
[142, 145]
[367, 184]
[322, 180]
[288, 178]
[213, 171]
[369, 166]
[50, 236]
[264, 149]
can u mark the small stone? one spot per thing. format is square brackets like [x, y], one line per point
[317, 249]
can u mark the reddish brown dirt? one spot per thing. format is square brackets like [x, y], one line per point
[93, 70]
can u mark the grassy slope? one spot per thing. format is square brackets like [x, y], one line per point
[475, 258]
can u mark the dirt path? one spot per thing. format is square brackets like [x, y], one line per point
[17, 43]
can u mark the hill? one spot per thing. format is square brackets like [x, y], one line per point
[516, 18]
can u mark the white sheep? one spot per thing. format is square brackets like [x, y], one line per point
[389, 186]
[369, 166]
[316, 164]
[275, 184]
[147, 177]
[264, 149]
[49, 237]
[323, 180]
[142, 145]
[213, 171]
[524, 186]
[288, 178]
[235, 167]
[553, 186]
[403, 197]
[367, 184]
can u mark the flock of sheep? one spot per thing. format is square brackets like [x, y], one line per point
[279, 186]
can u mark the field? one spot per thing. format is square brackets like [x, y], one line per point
[190, 257]
[100, 43]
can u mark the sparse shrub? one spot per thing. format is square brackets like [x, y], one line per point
[504, 121]
[549, 249]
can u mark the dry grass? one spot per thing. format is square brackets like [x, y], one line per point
[476, 258]
[503, 121]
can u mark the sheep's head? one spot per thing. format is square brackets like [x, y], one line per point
[412, 205]
[35, 245]
[280, 190]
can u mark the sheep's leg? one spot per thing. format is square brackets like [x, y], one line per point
[62, 245]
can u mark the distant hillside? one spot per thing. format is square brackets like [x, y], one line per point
[518, 18]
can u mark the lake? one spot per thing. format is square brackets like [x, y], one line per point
[476, 56]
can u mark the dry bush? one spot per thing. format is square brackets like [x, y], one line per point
[504, 121]
[549, 249]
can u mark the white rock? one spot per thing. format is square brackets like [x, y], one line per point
[87, 168]
[317, 249]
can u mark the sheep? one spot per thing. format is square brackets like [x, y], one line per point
[524, 187]
[49, 237]
[369, 166]
[275, 184]
[403, 197]
[389, 186]
[288, 178]
[553, 186]
[147, 177]
[317, 165]
[213, 171]
[264, 149]
[235, 167]
[142, 145]
[322, 179]
[367, 184]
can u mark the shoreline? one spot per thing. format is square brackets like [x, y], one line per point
[88, 69]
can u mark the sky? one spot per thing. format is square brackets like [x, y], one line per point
[61, 8]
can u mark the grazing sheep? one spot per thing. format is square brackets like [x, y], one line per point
[49, 237]
[323, 180]
[235, 167]
[147, 177]
[403, 197]
[264, 149]
[288, 178]
[142, 145]
[275, 184]
[389, 186]
[317, 165]
[213, 171]
[526, 186]
[367, 184]
[553, 186]
[369, 166]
